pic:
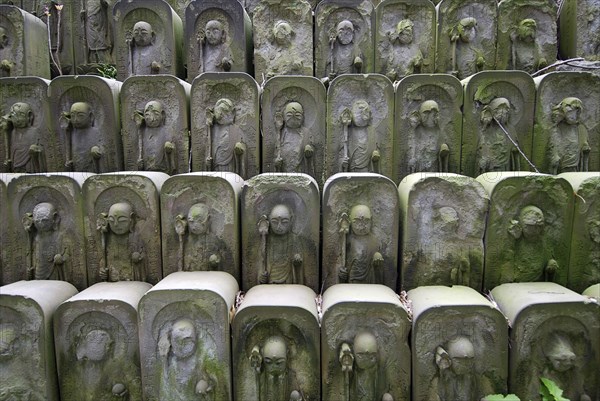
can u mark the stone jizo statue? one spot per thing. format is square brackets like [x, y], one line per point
[84, 148]
[24, 153]
[467, 56]
[294, 151]
[6, 65]
[357, 154]
[96, 19]
[495, 151]
[144, 55]
[428, 151]
[568, 146]
[525, 52]
[156, 152]
[215, 53]
[405, 56]
[345, 57]
[226, 150]
[283, 57]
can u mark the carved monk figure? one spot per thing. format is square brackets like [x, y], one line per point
[294, 150]
[428, 152]
[84, 144]
[6, 54]
[467, 53]
[405, 56]
[363, 261]
[568, 146]
[145, 56]
[592, 272]
[123, 249]
[283, 57]
[24, 153]
[216, 53]
[95, 17]
[525, 51]
[358, 156]
[495, 151]
[346, 57]
[156, 150]
[283, 250]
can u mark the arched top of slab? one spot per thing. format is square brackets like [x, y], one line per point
[6, 178]
[593, 291]
[122, 177]
[233, 180]
[280, 296]
[495, 75]
[357, 177]
[547, 79]
[127, 292]
[225, 76]
[491, 180]
[137, 79]
[372, 78]
[359, 293]
[68, 81]
[47, 294]
[77, 178]
[25, 80]
[578, 179]
[289, 179]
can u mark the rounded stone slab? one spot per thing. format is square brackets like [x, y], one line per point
[166, 47]
[578, 21]
[417, 147]
[136, 253]
[280, 230]
[104, 122]
[151, 144]
[27, 55]
[450, 323]
[37, 132]
[282, 318]
[485, 145]
[584, 267]
[6, 258]
[93, 35]
[360, 125]
[28, 368]
[593, 291]
[242, 91]
[96, 340]
[343, 194]
[54, 249]
[546, 320]
[557, 144]
[236, 43]
[356, 313]
[301, 149]
[443, 223]
[198, 303]
[216, 194]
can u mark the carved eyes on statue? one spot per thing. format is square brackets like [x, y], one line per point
[275, 362]
[276, 221]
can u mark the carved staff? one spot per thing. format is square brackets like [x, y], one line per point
[210, 118]
[279, 127]
[65, 123]
[200, 39]
[344, 223]
[83, 15]
[346, 119]
[138, 117]
[263, 230]
[255, 364]
[102, 227]
[27, 222]
[129, 41]
[180, 226]
[346, 360]
[5, 128]
[332, 38]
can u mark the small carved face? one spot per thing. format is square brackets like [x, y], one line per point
[94, 346]
[429, 113]
[275, 356]
[345, 32]
[21, 115]
[448, 219]
[198, 219]
[282, 33]
[468, 29]
[532, 222]
[81, 115]
[405, 31]
[361, 112]
[571, 108]
[154, 114]
[527, 30]
[44, 216]
[120, 218]
[462, 352]
[360, 220]
[293, 115]
[562, 362]
[280, 220]
[224, 112]
[214, 32]
[3, 38]
[365, 350]
[143, 35]
[183, 338]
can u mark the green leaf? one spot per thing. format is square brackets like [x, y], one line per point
[500, 397]
[550, 391]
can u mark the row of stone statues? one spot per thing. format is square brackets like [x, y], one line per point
[424, 125]
[143, 226]
[359, 342]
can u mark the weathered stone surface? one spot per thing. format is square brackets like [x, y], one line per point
[155, 124]
[21, 51]
[122, 226]
[28, 143]
[294, 126]
[466, 36]
[526, 35]
[428, 125]
[566, 135]
[584, 267]
[364, 343]
[185, 337]
[97, 345]
[218, 37]
[148, 39]
[442, 230]
[459, 345]
[282, 34]
[579, 25]
[593, 291]
[6, 258]
[280, 230]
[276, 345]
[46, 239]
[200, 223]
[250, 5]
[404, 38]
[360, 125]
[360, 230]
[27, 367]
[554, 334]
[495, 100]
[528, 232]
[93, 34]
[225, 124]
[85, 113]
[343, 38]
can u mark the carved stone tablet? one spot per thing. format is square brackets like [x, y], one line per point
[200, 223]
[579, 24]
[566, 136]
[343, 38]
[498, 112]
[526, 35]
[294, 126]
[405, 38]
[122, 226]
[528, 232]
[360, 123]
[46, 220]
[85, 112]
[185, 337]
[280, 230]
[97, 345]
[28, 143]
[584, 268]
[443, 225]
[225, 124]
[459, 345]
[466, 37]
[148, 39]
[360, 230]
[276, 345]
[6, 258]
[154, 120]
[554, 334]
[93, 29]
[218, 37]
[27, 366]
[361, 324]
[21, 51]
[428, 114]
